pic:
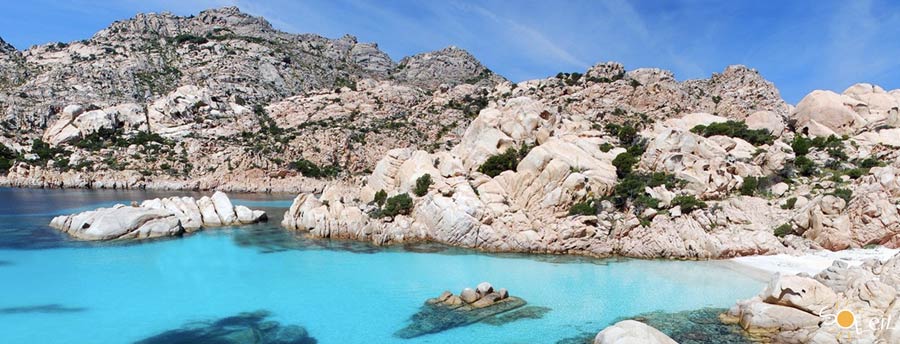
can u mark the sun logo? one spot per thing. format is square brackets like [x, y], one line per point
[842, 321]
[845, 318]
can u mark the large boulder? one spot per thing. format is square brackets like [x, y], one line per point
[824, 113]
[631, 332]
[119, 222]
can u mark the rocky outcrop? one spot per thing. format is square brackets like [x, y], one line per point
[630, 331]
[449, 67]
[156, 218]
[527, 208]
[802, 309]
[859, 107]
[449, 311]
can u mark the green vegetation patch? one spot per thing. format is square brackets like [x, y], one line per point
[736, 129]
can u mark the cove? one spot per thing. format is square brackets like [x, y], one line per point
[56, 290]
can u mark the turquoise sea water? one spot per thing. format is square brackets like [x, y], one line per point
[55, 290]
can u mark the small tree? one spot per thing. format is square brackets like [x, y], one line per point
[422, 185]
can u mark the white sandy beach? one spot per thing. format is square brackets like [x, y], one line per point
[812, 262]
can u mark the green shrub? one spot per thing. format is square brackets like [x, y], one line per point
[626, 133]
[496, 164]
[688, 203]
[399, 204]
[789, 204]
[311, 170]
[588, 207]
[749, 186]
[855, 173]
[189, 38]
[380, 197]
[845, 194]
[870, 162]
[632, 188]
[735, 129]
[783, 230]
[801, 145]
[422, 185]
[624, 163]
[7, 157]
[606, 147]
[805, 166]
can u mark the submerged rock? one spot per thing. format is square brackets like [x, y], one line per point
[449, 311]
[156, 218]
[244, 328]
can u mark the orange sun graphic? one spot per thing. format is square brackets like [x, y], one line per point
[846, 322]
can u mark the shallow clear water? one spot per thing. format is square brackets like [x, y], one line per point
[54, 290]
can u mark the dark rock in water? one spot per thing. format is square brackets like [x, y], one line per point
[46, 309]
[437, 317]
[244, 328]
[527, 312]
[695, 326]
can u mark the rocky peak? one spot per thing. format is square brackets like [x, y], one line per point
[232, 17]
[449, 66]
[6, 48]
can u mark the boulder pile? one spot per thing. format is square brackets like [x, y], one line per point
[471, 306]
[156, 218]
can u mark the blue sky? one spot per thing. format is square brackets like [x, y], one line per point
[799, 45]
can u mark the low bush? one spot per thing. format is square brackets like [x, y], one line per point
[625, 161]
[309, 169]
[805, 166]
[397, 205]
[380, 197]
[626, 133]
[7, 157]
[845, 194]
[422, 185]
[189, 38]
[606, 147]
[735, 129]
[506, 161]
[749, 186]
[688, 203]
[789, 204]
[588, 207]
[783, 230]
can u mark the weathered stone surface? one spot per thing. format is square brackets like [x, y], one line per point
[630, 331]
[153, 218]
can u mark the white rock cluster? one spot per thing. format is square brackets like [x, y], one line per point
[156, 218]
[802, 309]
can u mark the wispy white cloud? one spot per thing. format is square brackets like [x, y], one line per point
[535, 41]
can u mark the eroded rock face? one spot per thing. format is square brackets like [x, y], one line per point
[799, 309]
[861, 106]
[450, 66]
[155, 218]
[630, 331]
[526, 209]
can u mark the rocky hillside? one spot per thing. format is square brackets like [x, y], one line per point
[533, 174]
[103, 108]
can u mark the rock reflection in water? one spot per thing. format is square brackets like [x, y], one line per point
[244, 328]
